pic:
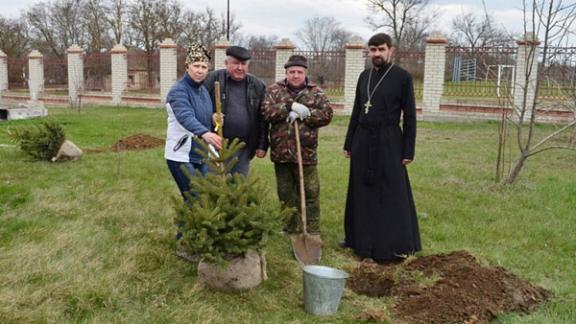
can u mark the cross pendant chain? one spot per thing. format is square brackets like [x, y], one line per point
[367, 106]
[368, 103]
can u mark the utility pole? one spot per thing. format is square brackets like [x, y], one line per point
[228, 20]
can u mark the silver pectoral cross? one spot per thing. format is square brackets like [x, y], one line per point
[367, 106]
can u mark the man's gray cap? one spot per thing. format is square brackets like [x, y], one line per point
[238, 52]
[296, 60]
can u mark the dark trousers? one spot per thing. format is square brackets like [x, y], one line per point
[182, 180]
[242, 166]
[288, 187]
[180, 177]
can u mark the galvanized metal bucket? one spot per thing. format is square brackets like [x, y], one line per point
[323, 287]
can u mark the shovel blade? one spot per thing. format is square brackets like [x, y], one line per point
[307, 248]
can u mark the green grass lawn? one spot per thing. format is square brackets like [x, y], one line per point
[93, 241]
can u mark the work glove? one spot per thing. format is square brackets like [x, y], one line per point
[292, 116]
[302, 111]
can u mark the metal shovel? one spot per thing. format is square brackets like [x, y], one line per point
[307, 248]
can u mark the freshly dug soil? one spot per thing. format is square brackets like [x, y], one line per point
[132, 142]
[451, 287]
[137, 142]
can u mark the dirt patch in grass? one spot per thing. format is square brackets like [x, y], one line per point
[451, 287]
[132, 142]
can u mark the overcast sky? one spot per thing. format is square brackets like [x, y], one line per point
[283, 17]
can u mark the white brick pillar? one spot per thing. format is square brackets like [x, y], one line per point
[526, 73]
[3, 71]
[75, 73]
[220, 54]
[284, 50]
[35, 74]
[354, 65]
[119, 72]
[434, 67]
[168, 66]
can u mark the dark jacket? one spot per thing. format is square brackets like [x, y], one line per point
[282, 140]
[258, 137]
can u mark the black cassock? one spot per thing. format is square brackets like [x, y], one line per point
[380, 220]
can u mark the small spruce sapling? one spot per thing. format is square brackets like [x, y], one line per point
[225, 215]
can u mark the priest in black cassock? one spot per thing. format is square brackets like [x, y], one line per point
[380, 219]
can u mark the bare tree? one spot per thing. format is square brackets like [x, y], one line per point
[341, 37]
[474, 30]
[403, 19]
[415, 33]
[14, 39]
[96, 26]
[554, 19]
[205, 27]
[55, 26]
[115, 15]
[66, 17]
[169, 15]
[42, 31]
[323, 33]
[257, 43]
[144, 24]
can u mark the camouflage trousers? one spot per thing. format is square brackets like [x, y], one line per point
[288, 187]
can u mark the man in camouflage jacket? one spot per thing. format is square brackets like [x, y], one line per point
[286, 101]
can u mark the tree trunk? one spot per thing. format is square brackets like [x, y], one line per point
[516, 170]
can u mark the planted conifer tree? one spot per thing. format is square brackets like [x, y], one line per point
[226, 215]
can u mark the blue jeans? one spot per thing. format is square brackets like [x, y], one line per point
[182, 180]
[180, 177]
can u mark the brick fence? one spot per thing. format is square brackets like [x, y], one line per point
[438, 77]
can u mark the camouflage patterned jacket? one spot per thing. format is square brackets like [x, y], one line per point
[275, 108]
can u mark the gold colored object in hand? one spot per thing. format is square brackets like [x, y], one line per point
[218, 120]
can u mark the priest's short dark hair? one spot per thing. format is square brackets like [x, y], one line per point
[380, 39]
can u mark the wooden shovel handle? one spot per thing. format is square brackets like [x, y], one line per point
[218, 103]
[300, 176]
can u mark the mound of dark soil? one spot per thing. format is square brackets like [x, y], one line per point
[442, 288]
[132, 142]
[137, 142]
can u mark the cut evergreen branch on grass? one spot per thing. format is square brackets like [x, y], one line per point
[40, 140]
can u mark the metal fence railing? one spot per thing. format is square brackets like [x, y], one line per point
[558, 77]
[413, 62]
[475, 73]
[56, 75]
[479, 72]
[263, 65]
[327, 70]
[17, 73]
[97, 72]
[144, 73]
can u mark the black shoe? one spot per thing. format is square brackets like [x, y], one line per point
[342, 244]
[393, 261]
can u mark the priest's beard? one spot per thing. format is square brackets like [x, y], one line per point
[378, 62]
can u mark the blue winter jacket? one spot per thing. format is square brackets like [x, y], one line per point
[192, 107]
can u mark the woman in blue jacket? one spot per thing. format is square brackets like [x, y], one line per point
[189, 115]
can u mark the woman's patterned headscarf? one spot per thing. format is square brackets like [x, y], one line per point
[197, 53]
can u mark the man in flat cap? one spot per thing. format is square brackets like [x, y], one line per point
[286, 101]
[241, 95]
